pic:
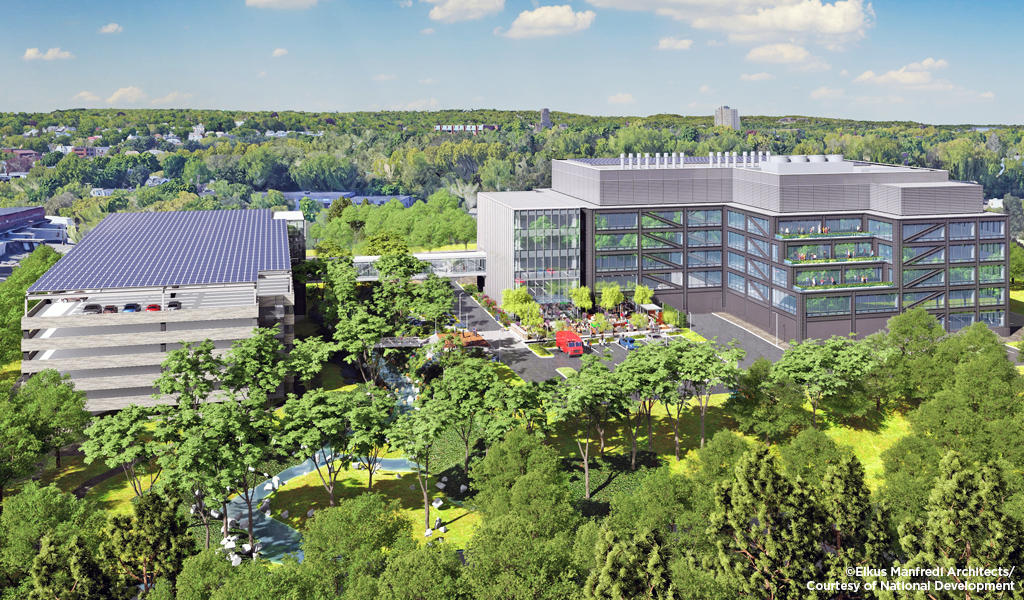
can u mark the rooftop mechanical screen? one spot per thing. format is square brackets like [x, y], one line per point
[128, 250]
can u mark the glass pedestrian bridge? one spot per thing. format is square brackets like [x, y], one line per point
[470, 263]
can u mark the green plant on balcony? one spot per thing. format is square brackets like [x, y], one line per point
[845, 285]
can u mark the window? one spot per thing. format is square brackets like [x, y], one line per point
[992, 295]
[872, 303]
[803, 227]
[991, 229]
[626, 282]
[761, 270]
[664, 280]
[780, 277]
[757, 225]
[828, 305]
[676, 258]
[658, 241]
[809, 252]
[707, 237]
[757, 291]
[623, 241]
[775, 253]
[736, 282]
[736, 261]
[958, 321]
[757, 247]
[961, 275]
[615, 221]
[737, 241]
[991, 274]
[993, 318]
[916, 277]
[912, 229]
[813, 277]
[880, 229]
[617, 262]
[701, 279]
[786, 302]
[911, 253]
[845, 225]
[961, 253]
[674, 218]
[851, 250]
[961, 298]
[993, 251]
[868, 275]
[925, 298]
[885, 252]
[736, 220]
[961, 231]
[705, 258]
[703, 218]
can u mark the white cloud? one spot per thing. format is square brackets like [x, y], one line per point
[384, 77]
[128, 95]
[844, 73]
[51, 54]
[793, 55]
[827, 93]
[428, 81]
[427, 31]
[549, 20]
[715, 43]
[278, 52]
[404, 3]
[450, 11]
[262, 73]
[988, 95]
[756, 77]
[86, 97]
[172, 98]
[621, 98]
[111, 28]
[671, 43]
[916, 76]
[834, 25]
[424, 104]
[704, 89]
[282, 4]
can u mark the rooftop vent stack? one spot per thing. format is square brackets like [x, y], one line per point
[711, 159]
[647, 160]
[657, 160]
[622, 161]
[630, 163]
[719, 160]
[682, 160]
[745, 164]
[768, 155]
[734, 155]
[675, 160]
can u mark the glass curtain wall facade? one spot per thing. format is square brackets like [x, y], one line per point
[547, 253]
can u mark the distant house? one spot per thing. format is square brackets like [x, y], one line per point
[406, 201]
[195, 137]
[21, 153]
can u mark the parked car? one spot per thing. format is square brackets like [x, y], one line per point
[569, 343]
[132, 307]
[174, 305]
[110, 308]
[92, 309]
[627, 343]
[153, 308]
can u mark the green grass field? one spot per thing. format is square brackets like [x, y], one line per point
[539, 350]
[1017, 299]
[566, 371]
[10, 371]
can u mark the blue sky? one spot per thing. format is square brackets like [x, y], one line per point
[937, 62]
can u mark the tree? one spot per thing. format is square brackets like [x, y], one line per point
[516, 301]
[461, 396]
[829, 372]
[352, 541]
[646, 377]
[67, 570]
[639, 321]
[612, 296]
[581, 298]
[810, 454]
[370, 421]
[966, 526]
[764, 405]
[150, 544]
[123, 440]
[634, 567]
[308, 356]
[190, 373]
[357, 334]
[20, 441]
[904, 355]
[317, 424]
[592, 395]
[642, 295]
[433, 298]
[765, 529]
[255, 366]
[415, 434]
[1016, 261]
[432, 572]
[700, 368]
[310, 209]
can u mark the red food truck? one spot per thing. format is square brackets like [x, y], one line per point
[569, 342]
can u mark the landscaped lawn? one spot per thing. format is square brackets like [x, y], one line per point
[448, 248]
[566, 371]
[869, 445]
[1017, 299]
[331, 377]
[306, 328]
[10, 371]
[539, 350]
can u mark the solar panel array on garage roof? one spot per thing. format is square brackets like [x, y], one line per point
[129, 250]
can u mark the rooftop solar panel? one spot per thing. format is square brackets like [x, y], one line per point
[175, 248]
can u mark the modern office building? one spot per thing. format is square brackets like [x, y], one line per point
[25, 228]
[730, 117]
[193, 276]
[802, 247]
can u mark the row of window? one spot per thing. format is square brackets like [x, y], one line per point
[872, 303]
[957, 231]
[957, 253]
[658, 219]
[957, 276]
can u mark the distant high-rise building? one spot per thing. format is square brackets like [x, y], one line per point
[545, 120]
[729, 117]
